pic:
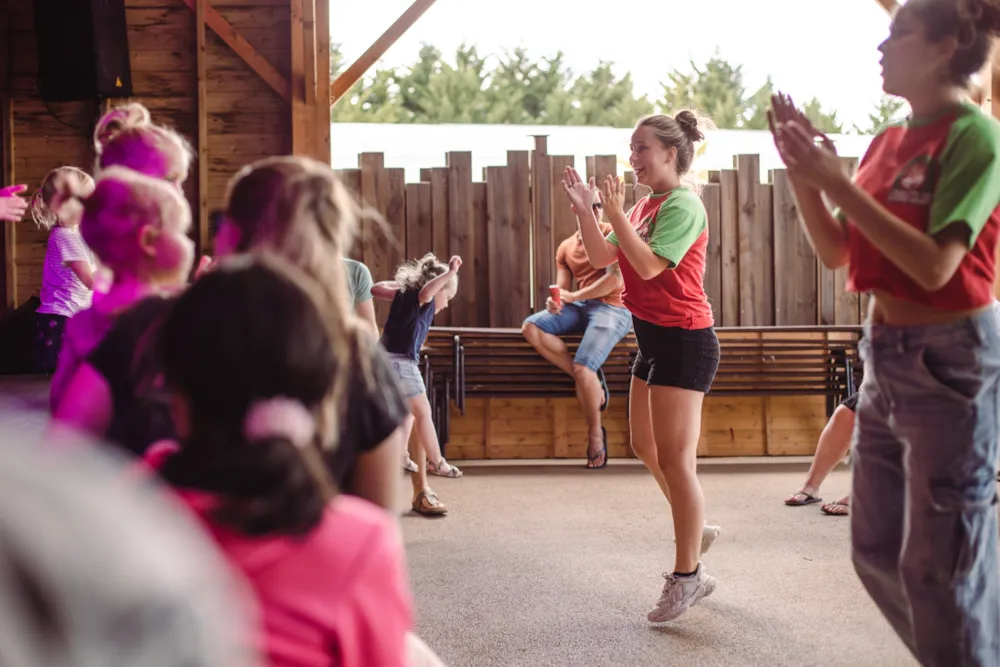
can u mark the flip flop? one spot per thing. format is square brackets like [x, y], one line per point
[807, 499]
[836, 509]
[604, 451]
[604, 386]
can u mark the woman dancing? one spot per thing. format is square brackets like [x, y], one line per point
[918, 227]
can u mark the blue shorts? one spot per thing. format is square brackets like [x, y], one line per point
[602, 326]
[408, 377]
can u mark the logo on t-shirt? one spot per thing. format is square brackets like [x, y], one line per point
[915, 182]
[646, 227]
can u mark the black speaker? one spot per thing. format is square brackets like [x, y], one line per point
[82, 50]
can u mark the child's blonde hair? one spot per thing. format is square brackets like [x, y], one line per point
[298, 209]
[41, 202]
[418, 272]
[121, 203]
[127, 137]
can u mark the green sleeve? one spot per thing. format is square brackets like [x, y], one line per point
[968, 187]
[611, 238]
[359, 281]
[679, 222]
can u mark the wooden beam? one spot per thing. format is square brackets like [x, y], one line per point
[301, 121]
[204, 234]
[309, 30]
[8, 277]
[245, 50]
[352, 74]
[321, 110]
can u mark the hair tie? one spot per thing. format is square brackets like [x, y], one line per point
[280, 417]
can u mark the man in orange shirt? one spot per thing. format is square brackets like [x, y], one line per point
[595, 309]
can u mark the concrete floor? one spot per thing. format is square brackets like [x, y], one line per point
[559, 565]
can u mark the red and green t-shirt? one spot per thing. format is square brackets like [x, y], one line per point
[675, 226]
[932, 174]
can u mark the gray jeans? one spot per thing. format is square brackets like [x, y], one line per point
[924, 499]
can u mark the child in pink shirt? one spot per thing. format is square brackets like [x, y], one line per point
[249, 360]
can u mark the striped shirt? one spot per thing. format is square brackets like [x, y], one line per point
[62, 291]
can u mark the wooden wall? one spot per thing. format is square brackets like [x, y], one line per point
[507, 222]
[556, 428]
[244, 118]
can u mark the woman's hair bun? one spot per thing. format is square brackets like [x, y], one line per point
[688, 123]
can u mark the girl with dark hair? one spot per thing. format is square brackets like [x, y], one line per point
[248, 396]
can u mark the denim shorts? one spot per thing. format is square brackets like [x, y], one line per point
[408, 377]
[603, 326]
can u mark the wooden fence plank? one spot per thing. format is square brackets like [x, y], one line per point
[730, 245]
[419, 220]
[563, 221]
[501, 242]
[461, 235]
[438, 177]
[481, 263]
[520, 207]
[795, 288]
[542, 241]
[711, 197]
[756, 263]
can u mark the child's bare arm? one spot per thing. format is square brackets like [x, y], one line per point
[385, 290]
[430, 290]
[83, 272]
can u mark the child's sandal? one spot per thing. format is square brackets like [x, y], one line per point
[443, 469]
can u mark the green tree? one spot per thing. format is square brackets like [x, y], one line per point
[887, 110]
[824, 121]
[716, 89]
[373, 99]
[601, 98]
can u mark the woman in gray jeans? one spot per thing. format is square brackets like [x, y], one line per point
[918, 227]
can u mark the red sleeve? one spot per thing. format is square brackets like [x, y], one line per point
[372, 626]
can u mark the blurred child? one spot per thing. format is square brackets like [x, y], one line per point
[124, 137]
[68, 272]
[249, 358]
[297, 208]
[138, 227]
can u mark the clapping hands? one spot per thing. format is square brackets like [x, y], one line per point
[809, 154]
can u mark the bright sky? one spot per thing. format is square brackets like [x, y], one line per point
[825, 48]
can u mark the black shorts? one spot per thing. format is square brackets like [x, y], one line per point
[675, 357]
[851, 402]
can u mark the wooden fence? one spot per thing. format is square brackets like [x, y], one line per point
[761, 270]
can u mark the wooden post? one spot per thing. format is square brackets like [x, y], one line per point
[321, 109]
[7, 171]
[203, 233]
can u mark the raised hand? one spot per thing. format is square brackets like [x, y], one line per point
[455, 263]
[613, 197]
[579, 193]
[12, 207]
[816, 163]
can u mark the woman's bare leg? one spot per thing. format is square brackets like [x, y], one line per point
[831, 449]
[676, 426]
[641, 432]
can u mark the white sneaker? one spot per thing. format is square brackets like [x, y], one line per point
[680, 594]
[709, 534]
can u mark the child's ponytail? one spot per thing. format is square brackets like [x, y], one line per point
[417, 273]
[292, 486]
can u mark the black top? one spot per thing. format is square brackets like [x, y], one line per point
[374, 409]
[128, 359]
[407, 325]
